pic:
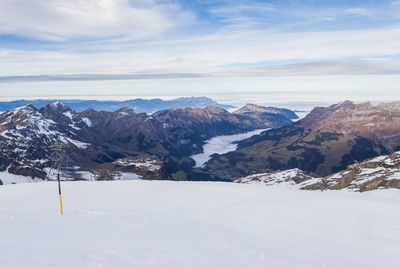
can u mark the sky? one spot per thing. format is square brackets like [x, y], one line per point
[309, 51]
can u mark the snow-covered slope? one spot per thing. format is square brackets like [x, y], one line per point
[143, 223]
[379, 172]
[27, 135]
[382, 172]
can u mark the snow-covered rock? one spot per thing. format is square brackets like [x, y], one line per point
[293, 177]
[382, 172]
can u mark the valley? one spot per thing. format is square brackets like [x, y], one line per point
[251, 144]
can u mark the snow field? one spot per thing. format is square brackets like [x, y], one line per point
[161, 223]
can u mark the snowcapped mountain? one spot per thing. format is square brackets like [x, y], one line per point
[378, 173]
[26, 136]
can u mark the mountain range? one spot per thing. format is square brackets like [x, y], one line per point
[138, 105]
[343, 146]
[156, 146]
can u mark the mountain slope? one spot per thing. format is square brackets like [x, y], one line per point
[324, 142]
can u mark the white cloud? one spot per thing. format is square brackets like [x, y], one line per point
[57, 19]
[4, 53]
[240, 8]
[357, 11]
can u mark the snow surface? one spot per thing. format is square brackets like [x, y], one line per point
[87, 121]
[130, 176]
[8, 178]
[220, 145]
[173, 224]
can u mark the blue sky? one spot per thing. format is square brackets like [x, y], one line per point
[154, 40]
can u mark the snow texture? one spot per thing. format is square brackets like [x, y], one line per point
[87, 121]
[174, 224]
[148, 163]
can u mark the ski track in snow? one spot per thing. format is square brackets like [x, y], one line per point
[161, 223]
[220, 145]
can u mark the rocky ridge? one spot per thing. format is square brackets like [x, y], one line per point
[382, 172]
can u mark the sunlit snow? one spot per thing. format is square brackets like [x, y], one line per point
[170, 224]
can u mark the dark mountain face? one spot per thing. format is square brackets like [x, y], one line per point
[100, 139]
[326, 141]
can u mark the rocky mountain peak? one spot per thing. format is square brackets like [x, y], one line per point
[20, 117]
[256, 110]
[57, 106]
[125, 111]
[214, 109]
[347, 117]
[28, 109]
[346, 103]
[251, 108]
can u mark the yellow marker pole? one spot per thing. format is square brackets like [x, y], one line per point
[59, 194]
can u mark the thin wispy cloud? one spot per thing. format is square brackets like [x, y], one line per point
[357, 11]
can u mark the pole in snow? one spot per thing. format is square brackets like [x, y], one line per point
[59, 158]
[59, 193]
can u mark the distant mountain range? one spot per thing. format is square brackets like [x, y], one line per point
[138, 105]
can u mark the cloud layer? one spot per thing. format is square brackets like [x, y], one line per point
[153, 39]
